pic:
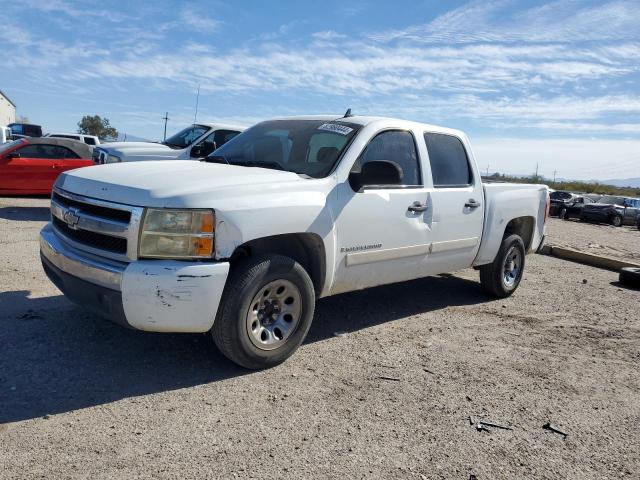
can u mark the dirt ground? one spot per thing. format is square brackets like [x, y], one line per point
[83, 398]
[599, 239]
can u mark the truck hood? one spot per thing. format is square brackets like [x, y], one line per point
[173, 183]
[141, 150]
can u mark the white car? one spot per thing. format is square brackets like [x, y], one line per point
[88, 139]
[289, 211]
[192, 143]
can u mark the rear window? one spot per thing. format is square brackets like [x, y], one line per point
[449, 162]
[560, 196]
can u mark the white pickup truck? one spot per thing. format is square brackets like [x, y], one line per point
[292, 210]
[191, 143]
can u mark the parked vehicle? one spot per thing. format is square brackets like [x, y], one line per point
[5, 135]
[88, 139]
[24, 130]
[558, 199]
[289, 211]
[31, 166]
[638, 221]
[573, 208]
[193, 143]
[614, 210]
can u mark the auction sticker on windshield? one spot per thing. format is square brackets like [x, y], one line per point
[335, 128]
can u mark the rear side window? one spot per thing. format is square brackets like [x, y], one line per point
[449, 162]
[395, 146]
[89, 141]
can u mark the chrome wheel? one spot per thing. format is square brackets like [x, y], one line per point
[512, 267]
[274, 314]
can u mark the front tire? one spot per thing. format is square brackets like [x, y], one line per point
[502, 277]
[563, 214]
[265, 312]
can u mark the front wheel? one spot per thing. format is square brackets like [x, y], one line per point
[563, 214]
[502, 277]
[616, 221]
[265, 312]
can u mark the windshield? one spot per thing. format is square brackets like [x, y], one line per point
[609, 200]
[7, 146]
[308, 147]
[186, 137]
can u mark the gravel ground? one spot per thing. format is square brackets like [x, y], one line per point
[82, 398]
[600, 239]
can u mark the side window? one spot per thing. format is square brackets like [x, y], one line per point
[89, 141]
[38, 151]
[449, 162]
[223, 136]
[395, 146]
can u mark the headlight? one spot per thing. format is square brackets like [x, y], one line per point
[113, 159]
[177, 234]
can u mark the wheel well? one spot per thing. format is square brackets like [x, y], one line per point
[522, 226]
[305, 248]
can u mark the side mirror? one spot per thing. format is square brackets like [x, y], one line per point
[378, 172]
[196, 151]
[13, 155]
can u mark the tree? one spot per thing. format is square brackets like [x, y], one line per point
[95, 125]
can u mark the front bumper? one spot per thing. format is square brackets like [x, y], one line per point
[151, 295]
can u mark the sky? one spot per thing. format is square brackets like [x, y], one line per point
[553, 84]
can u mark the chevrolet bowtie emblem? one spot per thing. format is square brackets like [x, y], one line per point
[71, 217]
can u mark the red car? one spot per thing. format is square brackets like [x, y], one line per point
[30, 166]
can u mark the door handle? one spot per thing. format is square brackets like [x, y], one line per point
[472, 203]
[417, 207]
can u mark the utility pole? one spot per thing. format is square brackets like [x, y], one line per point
[554, 176]
[197, 99]
[165, 118]
[487, 174]
[536, 171]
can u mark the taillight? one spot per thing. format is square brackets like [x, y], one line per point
[546, 212]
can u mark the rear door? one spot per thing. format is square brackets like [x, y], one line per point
[457, 202]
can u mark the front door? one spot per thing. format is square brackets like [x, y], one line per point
[380, 239]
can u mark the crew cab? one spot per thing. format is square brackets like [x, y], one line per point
[192, 143]
[291, 210]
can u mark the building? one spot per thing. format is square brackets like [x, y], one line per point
[7, 110]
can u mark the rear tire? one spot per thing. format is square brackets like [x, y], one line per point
[616, 221]
[563, 214]
[265, 312]
[502, 277]
[630, 276]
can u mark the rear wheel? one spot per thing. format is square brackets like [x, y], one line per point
[563, 213]
[630, 276]
[502, 277]
[265, 313]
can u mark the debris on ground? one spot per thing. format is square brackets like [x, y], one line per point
[481, 424]
[339, 333]
[549, 426]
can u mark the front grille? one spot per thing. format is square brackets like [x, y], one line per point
[93, 239]
[105, 212]
[99, 227]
